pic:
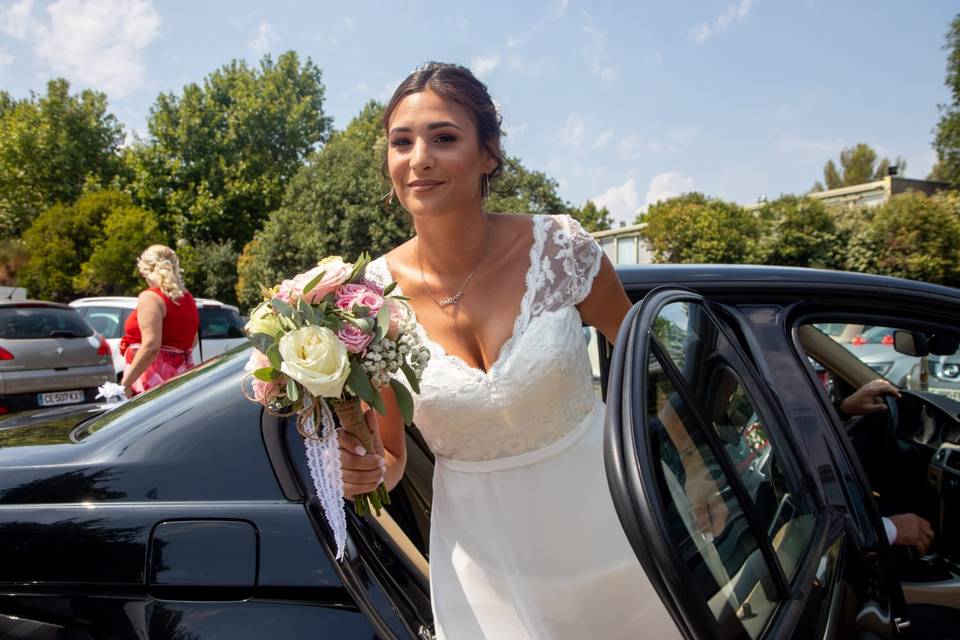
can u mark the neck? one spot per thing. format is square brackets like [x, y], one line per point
[453, 243]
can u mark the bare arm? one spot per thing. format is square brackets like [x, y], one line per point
[363, 472]
[607, 303]
[150, 310]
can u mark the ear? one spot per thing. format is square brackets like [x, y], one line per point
[489, 162]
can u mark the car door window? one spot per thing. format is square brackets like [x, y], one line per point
[718, 452]
[873, 345]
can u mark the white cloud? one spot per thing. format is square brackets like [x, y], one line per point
[264, 39]
[669, 184]
[603, 138]
[95, 42]
[732, 13]
[623, 202]
[484, 65]
[17, 20]
[595, 50]
[559, 8]
[574, 131]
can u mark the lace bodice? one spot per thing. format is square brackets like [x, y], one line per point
[540, 386]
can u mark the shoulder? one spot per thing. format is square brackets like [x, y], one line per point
[150, 297]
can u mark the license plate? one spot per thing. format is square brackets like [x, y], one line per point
[953, 394]
[54, 398]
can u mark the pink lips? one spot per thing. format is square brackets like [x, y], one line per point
[424, 185]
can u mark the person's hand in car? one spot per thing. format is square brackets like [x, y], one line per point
[912, 530]
[868, 398]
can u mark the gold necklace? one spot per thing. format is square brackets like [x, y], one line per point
[455, 298]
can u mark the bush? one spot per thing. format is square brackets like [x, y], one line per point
[797, 232]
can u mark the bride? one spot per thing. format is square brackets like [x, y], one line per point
[524, 541]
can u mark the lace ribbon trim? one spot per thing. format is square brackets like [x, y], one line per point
[323, 459]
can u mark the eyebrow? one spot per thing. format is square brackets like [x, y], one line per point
[430, 127]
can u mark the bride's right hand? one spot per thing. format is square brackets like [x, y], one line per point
[363, 471]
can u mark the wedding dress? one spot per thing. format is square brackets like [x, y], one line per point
[524, 539]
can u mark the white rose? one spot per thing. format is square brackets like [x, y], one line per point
[263, 320]
[314, 357]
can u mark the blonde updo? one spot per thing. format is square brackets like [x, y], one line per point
[159, 266]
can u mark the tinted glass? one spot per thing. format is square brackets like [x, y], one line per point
[220, 322]
[706, 518]
[107, 321]
[26, 323]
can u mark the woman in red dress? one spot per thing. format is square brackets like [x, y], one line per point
[160, 334]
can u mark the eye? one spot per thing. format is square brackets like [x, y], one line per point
[399, 142]
[445, 138]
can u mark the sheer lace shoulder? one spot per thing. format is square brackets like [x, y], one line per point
[377, 272]
[567, 263]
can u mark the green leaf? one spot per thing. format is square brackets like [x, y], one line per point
[293, 391]
[307, 313]
[262, 341]
[383, 321]
[273, 353]
[366, 325]
[389, 289]
[313, 283]
[404, 400]
[360, 311]
[282, 308]
[411, 377]
[377, 402]
[358, 382]
[267, 374]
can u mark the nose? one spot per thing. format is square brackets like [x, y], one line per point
[420, 156]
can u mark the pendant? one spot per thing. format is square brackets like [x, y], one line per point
[454, 299]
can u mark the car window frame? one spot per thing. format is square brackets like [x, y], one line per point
[689, 610]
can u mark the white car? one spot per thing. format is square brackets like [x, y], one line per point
[221, 326]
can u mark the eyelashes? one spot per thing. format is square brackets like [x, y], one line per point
[445, 138]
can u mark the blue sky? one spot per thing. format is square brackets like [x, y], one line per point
[623, 103]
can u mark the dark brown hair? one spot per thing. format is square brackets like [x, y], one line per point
[456, 83]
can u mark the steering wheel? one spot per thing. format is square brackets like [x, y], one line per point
[892, 421]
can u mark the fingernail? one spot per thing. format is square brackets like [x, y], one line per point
[360, 451]
[382, 462]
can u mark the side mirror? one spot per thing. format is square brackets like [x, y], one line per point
[944, 344]
[910, 343]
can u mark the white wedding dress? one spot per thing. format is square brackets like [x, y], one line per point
[524, 539]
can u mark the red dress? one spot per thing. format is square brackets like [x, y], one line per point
[180, 324]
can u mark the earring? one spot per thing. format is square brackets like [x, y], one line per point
[484, 185]
[388, 196]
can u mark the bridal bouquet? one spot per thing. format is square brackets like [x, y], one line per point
[324, 341]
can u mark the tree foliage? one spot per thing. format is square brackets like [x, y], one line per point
[51, 146]
[88, 247]
[946, 140]
[695, 229]
[220, 154]
[858, 164]
[796, 231]
[210, 269]
[332, 206]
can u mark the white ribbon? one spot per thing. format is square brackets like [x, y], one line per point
[323, 458]
[111, 392]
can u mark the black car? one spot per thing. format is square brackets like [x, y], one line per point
[188, 512]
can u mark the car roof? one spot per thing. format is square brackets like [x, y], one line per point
[34, 303]
[761, 278]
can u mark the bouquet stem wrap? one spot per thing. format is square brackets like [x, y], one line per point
[350, 415]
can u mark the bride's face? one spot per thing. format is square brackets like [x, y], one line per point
[434, 157]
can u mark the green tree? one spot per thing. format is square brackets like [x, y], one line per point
[796, 231]
[210, 269]
[858, 164]
[592, 218]
[946, 140]
[220, 155]
[918, 237]
[51, 146]
[111, 268]
[104, 225]
[695, 229]
[331, 206]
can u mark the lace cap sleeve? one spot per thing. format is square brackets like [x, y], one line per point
[569, 260]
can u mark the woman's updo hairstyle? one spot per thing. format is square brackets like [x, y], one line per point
[159, 265]
[458, 84]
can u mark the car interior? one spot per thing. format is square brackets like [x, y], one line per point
[917, 436]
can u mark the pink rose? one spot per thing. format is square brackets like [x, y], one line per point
[362, 294]
[263, 392]
[398, 317]
[353, 338]
[335, 272]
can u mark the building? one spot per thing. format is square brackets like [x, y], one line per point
[624, 245]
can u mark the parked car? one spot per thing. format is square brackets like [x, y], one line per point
[188, 512]
[48, 356]
[221, 326]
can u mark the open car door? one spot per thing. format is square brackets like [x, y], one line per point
[707, 483]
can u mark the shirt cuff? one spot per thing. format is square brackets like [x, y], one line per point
[891, 530]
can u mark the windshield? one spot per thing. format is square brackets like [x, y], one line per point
[31, 323]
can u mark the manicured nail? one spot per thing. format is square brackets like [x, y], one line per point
[360, 451]
[382, 462]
